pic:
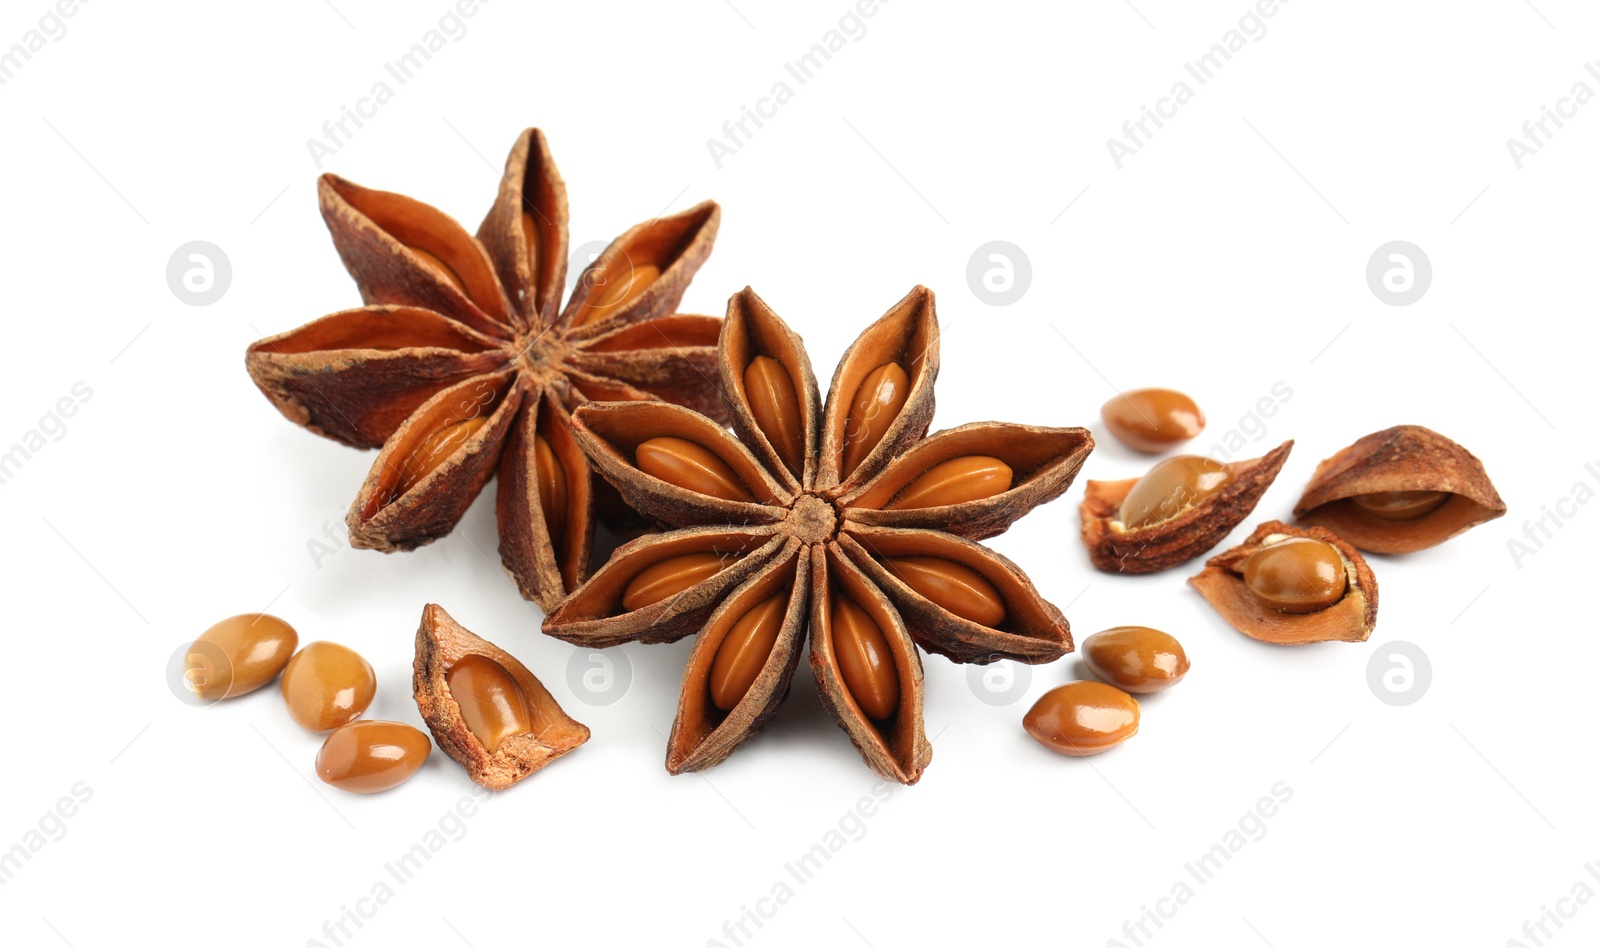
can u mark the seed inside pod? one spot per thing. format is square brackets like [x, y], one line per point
[1136, 658]
[622, 284]
[491, 703]
[865, 662]
[327, 685]
[669, 577]
[777, 409]
[876, 405]
[690, 466]
[956, 481]
[433, 451]
[1170, 488]
[1401, 504]
[744, 651]
[552, 487]
[372, 756]
[952, 586]
[441, 268]
[238, 655]
[1152, 419]
[1082, 718]
[530, 235]
[1297, 575]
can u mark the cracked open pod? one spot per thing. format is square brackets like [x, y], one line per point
[485, 709]
[1400, 490]
[836, 529]
[1292, 586]
[1178, 510]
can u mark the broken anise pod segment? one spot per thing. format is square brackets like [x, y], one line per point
[743, 657]
[327, 685]
[947, 481]
[1185, 506]
[485, 709]
[885, 384]
[869, 675]
[644, 272]
[1152, 420]
[959, 599]
[1290, 586]
[372, 756]
[1400, 490]
[770, 387]
[1082, 718]
[238, 655]
[1138, 659]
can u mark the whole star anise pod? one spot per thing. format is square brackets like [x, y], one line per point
[837, 517]
[463, 364]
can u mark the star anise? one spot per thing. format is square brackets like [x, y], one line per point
[463, 363]
[838, 517]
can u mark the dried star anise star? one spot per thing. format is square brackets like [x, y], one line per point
[839, 517]
[463, 363]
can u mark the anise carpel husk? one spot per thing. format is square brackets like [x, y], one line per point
[471, 332]
[816, 530]
[1351, 619]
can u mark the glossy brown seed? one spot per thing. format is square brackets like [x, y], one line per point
[690, 466]
[1081, 718]
[1136, 658]
[951, 586]
[238, 655]
[619, 288]
[865, 662]
[552, 479]
[777, 409]
[327, 685]
[1170, 488]
[1152, 420]
[1297, 575]
[1401, 504]
[372, 756]
[530, 234]
[669, 577]
[441, 268]
[744, 650]
[876, 405]
[491, 703]
[433, 451]
[956, 481]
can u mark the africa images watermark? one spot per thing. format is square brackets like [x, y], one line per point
[1543, 929]
[1537, 133]
[50, 828]
[1552, 517]
[52, 426]
[736, 133]
[337, 133]
[1136, 134]
[52, 28]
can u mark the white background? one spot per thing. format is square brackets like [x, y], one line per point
[1226, 256]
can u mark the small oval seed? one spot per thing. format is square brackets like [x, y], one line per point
[776, 408]
[372, 756]
[238, 655]
[490, 701]
[1082, 717]
[1152, 419]
[433, 451]
[327, 685]
[951, 586]
[865, 662]
[552, 478]
[1401, 504]
[1296, 576]
[530, 235]
[441, 268]
[669, 577]
[876, 405]
[1170, 488]
[609, 297]
[690, 466]
[1136, 658]
[744, 650]
[955, 481]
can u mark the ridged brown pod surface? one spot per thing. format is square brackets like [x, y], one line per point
[464, 365]
[1224, 584]
[485, 709]
[836, 530]
[1115, 548]
[1400, 490]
